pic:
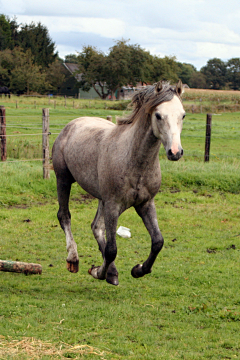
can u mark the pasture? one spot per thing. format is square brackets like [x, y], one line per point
[187, 308]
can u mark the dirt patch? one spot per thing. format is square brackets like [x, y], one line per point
[174, 190]
[83, 198]
[18, 206]
[24, 206]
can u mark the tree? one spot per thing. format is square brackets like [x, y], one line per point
[18, 71]
[55, 76]
[127, 65]
[198, 80]
[26, 76]
[139, 66]
[92, 69]
[36, 38]
[164, 69]
[215, 73]
[185, 72]
[233, 73]
[5, 33]
[118, 66]
[124, 65]
[6, 66]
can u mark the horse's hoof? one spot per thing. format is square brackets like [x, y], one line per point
[137, 271]
[112, 279]
[73, 266]
[94, 272]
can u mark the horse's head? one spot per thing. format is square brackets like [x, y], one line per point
[167, 119]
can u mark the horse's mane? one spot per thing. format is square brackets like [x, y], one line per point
[145, 100]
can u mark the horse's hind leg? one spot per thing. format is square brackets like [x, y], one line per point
[98, 228]
[64, 182]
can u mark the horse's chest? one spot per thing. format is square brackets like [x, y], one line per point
[142, 192]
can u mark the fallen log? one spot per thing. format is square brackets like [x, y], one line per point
[20, 267]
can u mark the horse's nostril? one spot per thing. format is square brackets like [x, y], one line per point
[182, 152]
[170, 152]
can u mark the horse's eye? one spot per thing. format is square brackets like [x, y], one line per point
[158, 116]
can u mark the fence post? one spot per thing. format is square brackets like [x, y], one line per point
[45, 143]
[208, 137]
[3, 134]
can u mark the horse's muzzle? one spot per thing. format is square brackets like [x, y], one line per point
[174, 157]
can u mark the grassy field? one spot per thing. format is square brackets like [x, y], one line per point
[215, 101]
[187, 308]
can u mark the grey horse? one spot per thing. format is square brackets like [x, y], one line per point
[119, 165]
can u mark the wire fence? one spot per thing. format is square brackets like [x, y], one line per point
[193, 131]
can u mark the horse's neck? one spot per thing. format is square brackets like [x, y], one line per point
[143, 145]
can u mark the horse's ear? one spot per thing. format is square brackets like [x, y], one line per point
[158, 86]
[179, 88]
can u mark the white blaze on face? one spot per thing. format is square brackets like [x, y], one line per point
[167, 124]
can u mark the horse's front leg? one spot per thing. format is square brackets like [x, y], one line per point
[148, 214]
[111, 215]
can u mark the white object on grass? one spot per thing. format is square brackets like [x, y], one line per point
[124, 232]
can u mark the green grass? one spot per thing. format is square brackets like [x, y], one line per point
[188, 308]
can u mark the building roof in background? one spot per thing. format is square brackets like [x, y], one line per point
[73, 68]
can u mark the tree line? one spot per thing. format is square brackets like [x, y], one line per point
[28, 60]
[29, 63]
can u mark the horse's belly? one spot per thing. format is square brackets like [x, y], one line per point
[87, 178]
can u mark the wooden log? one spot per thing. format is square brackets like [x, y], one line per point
[20, 267]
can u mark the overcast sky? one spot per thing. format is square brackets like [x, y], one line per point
[192, 30]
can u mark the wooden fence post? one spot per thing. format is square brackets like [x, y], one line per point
[3, 133]
[45, 143]
[208, 137]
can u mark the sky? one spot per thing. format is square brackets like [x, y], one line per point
[193, 31]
